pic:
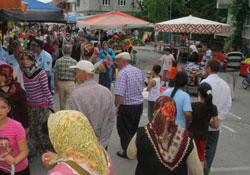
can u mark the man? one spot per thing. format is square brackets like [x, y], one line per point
[17, 49]
[233, 61]
[43, 58]
[245, 50]
[93, 100]
[129, 85]
[222, 99]
[19, 68]
[65, 77]
[207, 55]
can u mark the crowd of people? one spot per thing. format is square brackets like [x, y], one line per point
[181, 136]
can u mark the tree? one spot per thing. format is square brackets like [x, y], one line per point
[240, 11]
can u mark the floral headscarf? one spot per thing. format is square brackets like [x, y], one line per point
[11, 86]
[74, 140]
[33, 70]
[169, 140]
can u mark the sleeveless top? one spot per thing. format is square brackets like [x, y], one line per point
[148, 161]
[154, 92]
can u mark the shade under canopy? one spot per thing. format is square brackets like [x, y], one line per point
[36, 12]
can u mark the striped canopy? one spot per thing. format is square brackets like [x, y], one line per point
[191, 24]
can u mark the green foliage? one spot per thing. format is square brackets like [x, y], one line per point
[240, 10]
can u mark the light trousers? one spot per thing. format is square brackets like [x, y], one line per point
[65, 89]
[231, 78]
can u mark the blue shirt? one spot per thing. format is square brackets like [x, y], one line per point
[11, 60]
[183, 104]
[109, 51]
[207, 56]
[3, 54]
[44, 61]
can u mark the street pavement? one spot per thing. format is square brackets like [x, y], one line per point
[233, 155]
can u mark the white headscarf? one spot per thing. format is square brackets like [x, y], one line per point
[194, 49]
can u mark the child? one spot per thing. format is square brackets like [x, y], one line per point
[173, 72]
[202, 114]
[154, 85]
[13, 145]
[167, 59]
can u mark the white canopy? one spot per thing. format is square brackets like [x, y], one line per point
[191, 24]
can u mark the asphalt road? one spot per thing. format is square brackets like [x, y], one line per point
[233, 155]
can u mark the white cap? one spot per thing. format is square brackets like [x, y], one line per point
[85, 65]
[124, 56]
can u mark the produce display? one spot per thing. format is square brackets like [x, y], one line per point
[247, 61]
[136, 42]
[194, 71]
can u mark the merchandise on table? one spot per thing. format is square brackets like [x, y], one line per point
[194, 71]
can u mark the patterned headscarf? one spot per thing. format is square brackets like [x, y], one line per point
[170, 141]
[11, 84]
[29, 71]
[74, 140]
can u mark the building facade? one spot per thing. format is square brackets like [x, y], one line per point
[225, 4]
[90, 7]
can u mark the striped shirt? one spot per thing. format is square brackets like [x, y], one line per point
[63, 70]
[233, 61]
[10, 135]
[37, 90]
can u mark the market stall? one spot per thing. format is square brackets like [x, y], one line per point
[192, 25]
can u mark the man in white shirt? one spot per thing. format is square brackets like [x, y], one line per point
[222, 99]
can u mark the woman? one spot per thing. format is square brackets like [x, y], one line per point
[76, 146]
[105, 54]
[181, 98]
[9, 85]
[56, 52]
[48, 46]
[162, 147]
[39, 99]
[13, 145]
[128, 46]
[193, 55]
[203, 112]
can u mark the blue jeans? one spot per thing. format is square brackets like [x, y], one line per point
[105, 79]
[150, 110]
[212, 140]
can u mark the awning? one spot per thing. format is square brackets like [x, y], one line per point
[113, 19]
[191, 24]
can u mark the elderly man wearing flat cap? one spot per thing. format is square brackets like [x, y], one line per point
[129, 85]
[93, 100]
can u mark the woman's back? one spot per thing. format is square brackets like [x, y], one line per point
[183, 103]
[200, 120]
[149, 162]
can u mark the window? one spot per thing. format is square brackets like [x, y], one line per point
[106, 2]
[121, 2]
[78, 3]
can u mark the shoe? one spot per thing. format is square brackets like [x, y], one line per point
[122, 154]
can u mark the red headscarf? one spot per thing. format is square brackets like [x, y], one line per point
[11, 80]
[170, 141]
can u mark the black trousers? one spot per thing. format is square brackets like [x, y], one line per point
[26, 171]
[127, 123]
